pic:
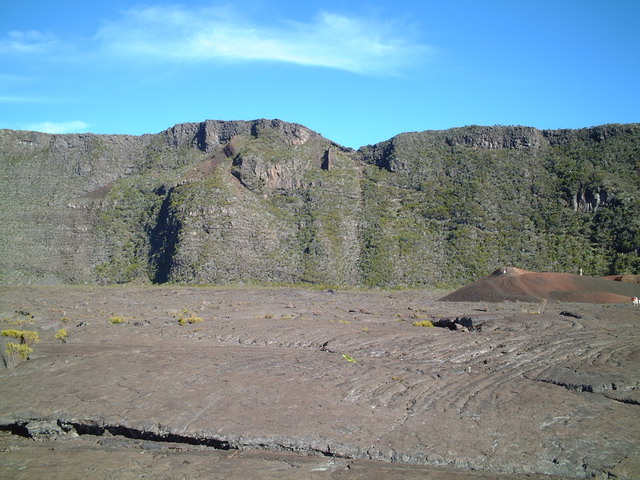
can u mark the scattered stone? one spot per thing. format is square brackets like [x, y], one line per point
[570, 314]
[46, 430]
[461, 324]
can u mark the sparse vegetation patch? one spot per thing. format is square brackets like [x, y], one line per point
[26, 337]
[188, 317]
[423, 323]
[16, 353]
[61, 335]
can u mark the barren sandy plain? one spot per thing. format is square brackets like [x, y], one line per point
[299, 383]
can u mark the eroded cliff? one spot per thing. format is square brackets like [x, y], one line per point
[270, 201]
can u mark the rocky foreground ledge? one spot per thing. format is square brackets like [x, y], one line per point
[291, 383]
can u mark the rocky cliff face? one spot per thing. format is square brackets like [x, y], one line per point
[48, 187]
[270, 201]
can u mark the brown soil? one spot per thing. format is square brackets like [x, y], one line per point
[263, 386]
[514, 284]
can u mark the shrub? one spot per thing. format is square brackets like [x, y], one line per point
[16, 353]
[29, 338]
[12, 333]
[26, 337]
[188, 317]
[423, 323]
[61, 335]
[115, 320]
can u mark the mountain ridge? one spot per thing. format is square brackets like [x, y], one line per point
[272, 201]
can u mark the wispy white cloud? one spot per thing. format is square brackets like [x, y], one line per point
[8, 99]
[74, 126]
[28, 42]
[360, 45]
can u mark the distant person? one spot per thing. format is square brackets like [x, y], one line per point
[635, 301]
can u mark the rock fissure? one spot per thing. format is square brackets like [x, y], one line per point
[47, 429]
[627, 401]
[601, 388]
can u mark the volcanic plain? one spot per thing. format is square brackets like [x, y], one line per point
[249, 382]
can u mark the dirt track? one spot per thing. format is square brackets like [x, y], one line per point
[267, 372]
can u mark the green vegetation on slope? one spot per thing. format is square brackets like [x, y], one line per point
[267, 201]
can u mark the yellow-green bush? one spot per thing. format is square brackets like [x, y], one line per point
[188, 317]
[423, 323]
[12, 333]
[16, 353]
[116, 319]
[26, 337]
[62, 335]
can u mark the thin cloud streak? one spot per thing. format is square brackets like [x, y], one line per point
[74, 126]
[330, 40]
[8, 99]
[16, 99]
[28, 42]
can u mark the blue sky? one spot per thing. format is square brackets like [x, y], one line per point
[358, 72]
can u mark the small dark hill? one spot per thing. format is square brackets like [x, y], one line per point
[514, 284]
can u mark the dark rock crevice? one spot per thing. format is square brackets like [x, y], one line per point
[136, 434]
[163, 238]
[606, 388]
[33, 429]
[625, 400]
[59, 429]
[18, 428]
[200, 138]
